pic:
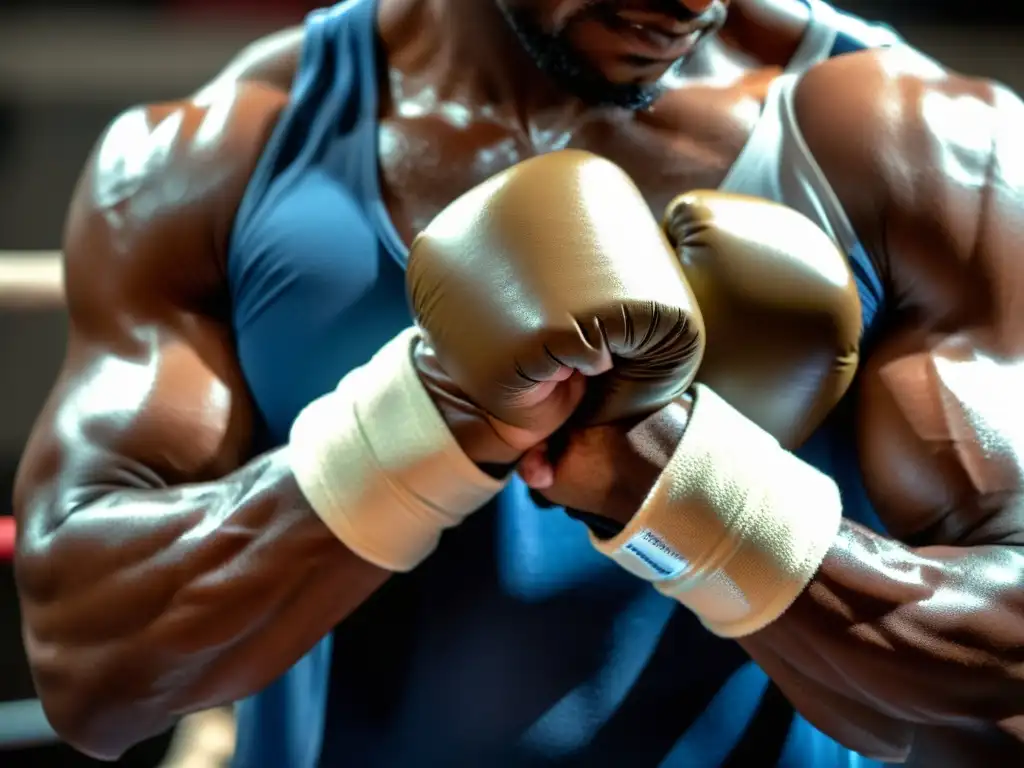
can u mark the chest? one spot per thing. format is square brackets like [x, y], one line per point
[688, 140]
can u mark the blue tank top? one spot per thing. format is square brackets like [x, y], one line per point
[515, 644]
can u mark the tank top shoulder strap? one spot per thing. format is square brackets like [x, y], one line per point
[332, 104]
[777, 164]
[818, 39]
[832, 33]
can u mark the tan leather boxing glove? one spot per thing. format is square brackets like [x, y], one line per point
[556, 263]
[781, 312]
[736, 526]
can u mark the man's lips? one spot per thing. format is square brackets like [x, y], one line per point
[664, 25]
[657, 46]
[652, 36]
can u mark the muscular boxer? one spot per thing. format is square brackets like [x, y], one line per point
[228, 280]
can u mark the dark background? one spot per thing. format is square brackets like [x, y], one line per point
[65, 72]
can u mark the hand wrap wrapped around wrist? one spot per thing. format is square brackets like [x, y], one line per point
[735, 527]
[378, 464]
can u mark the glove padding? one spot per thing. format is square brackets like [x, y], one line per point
[554, 263]
[780, 306]
[736, 525]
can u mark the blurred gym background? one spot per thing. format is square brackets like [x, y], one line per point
[65, 71]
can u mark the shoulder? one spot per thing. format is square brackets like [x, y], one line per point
[908, 146]
[895, 94]
[161, 188]
[902, 116]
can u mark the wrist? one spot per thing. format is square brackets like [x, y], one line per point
[653, 442]
[470, 427]
[379, 466]
[473, 433]
[734, 527]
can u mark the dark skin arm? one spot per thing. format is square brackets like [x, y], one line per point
[908, 643]
[162, 569]
[36, 281]
[927, 627]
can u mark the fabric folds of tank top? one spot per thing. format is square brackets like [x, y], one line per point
[818, 39]
[777, 164]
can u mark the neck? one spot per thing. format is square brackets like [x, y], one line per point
[465, 51]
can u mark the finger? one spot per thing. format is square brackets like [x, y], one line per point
[535, 469]
[540, 420]
[571, 393]
[550, 415]
[538, 392]
[563, 373]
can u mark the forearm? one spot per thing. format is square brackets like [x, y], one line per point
[145, 604]
[929, 636]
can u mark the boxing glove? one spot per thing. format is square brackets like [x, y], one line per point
[781, 311]
[736, 525]
[554, 264]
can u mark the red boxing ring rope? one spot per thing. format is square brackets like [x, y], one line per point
[6, 539]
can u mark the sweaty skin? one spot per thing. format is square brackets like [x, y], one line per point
[758, 40]
[164, 569]
[910, 645]
[146, 545]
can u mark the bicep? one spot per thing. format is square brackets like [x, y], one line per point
[932, 178]
[891, 637]
[942, 451]
[940, 441]
[162, 404]
[150, 392]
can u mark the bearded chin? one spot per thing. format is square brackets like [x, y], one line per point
[555, 56]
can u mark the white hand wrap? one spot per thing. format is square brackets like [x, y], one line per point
[379, 465]
[735, 527]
